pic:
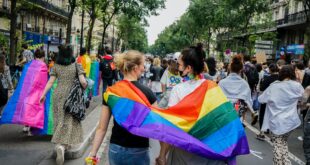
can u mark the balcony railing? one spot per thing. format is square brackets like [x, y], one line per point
[292, 19]
[51, 7]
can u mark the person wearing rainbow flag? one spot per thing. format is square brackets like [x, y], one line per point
[200, 122]
[124, 147]
[85, 61]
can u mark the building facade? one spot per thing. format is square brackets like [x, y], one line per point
[42, 23]
[290, 20]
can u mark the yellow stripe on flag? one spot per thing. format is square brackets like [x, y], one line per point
[213, 98]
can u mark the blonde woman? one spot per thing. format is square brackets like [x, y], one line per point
[124, 147]
[156, 71]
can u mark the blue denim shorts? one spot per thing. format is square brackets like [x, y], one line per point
[119, 155]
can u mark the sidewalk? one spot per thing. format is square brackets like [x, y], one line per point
[16, 148]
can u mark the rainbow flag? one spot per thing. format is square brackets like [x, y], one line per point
[85, 61]
[94, 75]
[23, 107]
[204, 122]
[48, 115]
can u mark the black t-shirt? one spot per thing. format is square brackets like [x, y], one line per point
[121, 136]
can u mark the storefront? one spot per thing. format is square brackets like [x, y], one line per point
[291, 52]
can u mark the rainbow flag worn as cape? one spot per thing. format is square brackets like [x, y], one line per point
[204, 122]
[85, 61]
[48, 128]
[94, 75]
[24, 107]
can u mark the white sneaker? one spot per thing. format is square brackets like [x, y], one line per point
[300, 138]
[26, 129]
[60, 151]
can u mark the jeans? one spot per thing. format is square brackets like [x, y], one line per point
[119, 155]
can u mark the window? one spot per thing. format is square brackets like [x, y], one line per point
[276, 15]
[5, 4]
[296, 6]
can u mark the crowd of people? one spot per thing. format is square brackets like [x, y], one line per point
[275, 93]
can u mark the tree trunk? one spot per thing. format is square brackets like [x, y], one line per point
[103, 35]
[91, 25]
[90, 33]
[82, 26]
[69, 21]
[13, 38]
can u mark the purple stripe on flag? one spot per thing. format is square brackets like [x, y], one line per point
[137, 115]
[176, 138]
[240, 148]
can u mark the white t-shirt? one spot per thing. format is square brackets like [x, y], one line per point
[181, 90]
[170, 80]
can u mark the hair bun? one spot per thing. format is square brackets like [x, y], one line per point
[237, 59]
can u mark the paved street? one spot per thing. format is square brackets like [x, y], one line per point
[18, 149]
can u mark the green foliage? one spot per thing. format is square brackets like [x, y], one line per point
[133, 33]
[205, 17]
[3, 41]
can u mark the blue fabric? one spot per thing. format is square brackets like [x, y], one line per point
[119, 155]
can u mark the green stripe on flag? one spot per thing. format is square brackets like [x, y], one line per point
[112, 100]
[214, 121]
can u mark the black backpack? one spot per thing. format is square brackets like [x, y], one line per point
[252, 75]
[106, 69]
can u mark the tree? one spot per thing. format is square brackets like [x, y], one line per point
[133, 33]
[72, 4]
[92, 9]
[13, 37]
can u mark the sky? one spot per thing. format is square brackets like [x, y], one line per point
[174, 9]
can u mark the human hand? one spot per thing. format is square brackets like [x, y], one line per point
[42, 99]
[160, 161]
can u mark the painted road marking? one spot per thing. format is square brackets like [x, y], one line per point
[267, 139]
[256, 153]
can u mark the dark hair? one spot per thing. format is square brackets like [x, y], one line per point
[193, 57]
[65, 55]
[83, 51]
[300, 66]
[236, 64]
[246, 58]
[273, 68]
[39, 53]
[211, 63]
[259, 67]
[287, 71]
[25, 46]
[108, 50]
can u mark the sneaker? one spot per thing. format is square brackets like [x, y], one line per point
[254, 119]
[60, 151]
[260, 137]
[300, 138]
[29, 133]
[26, 129]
